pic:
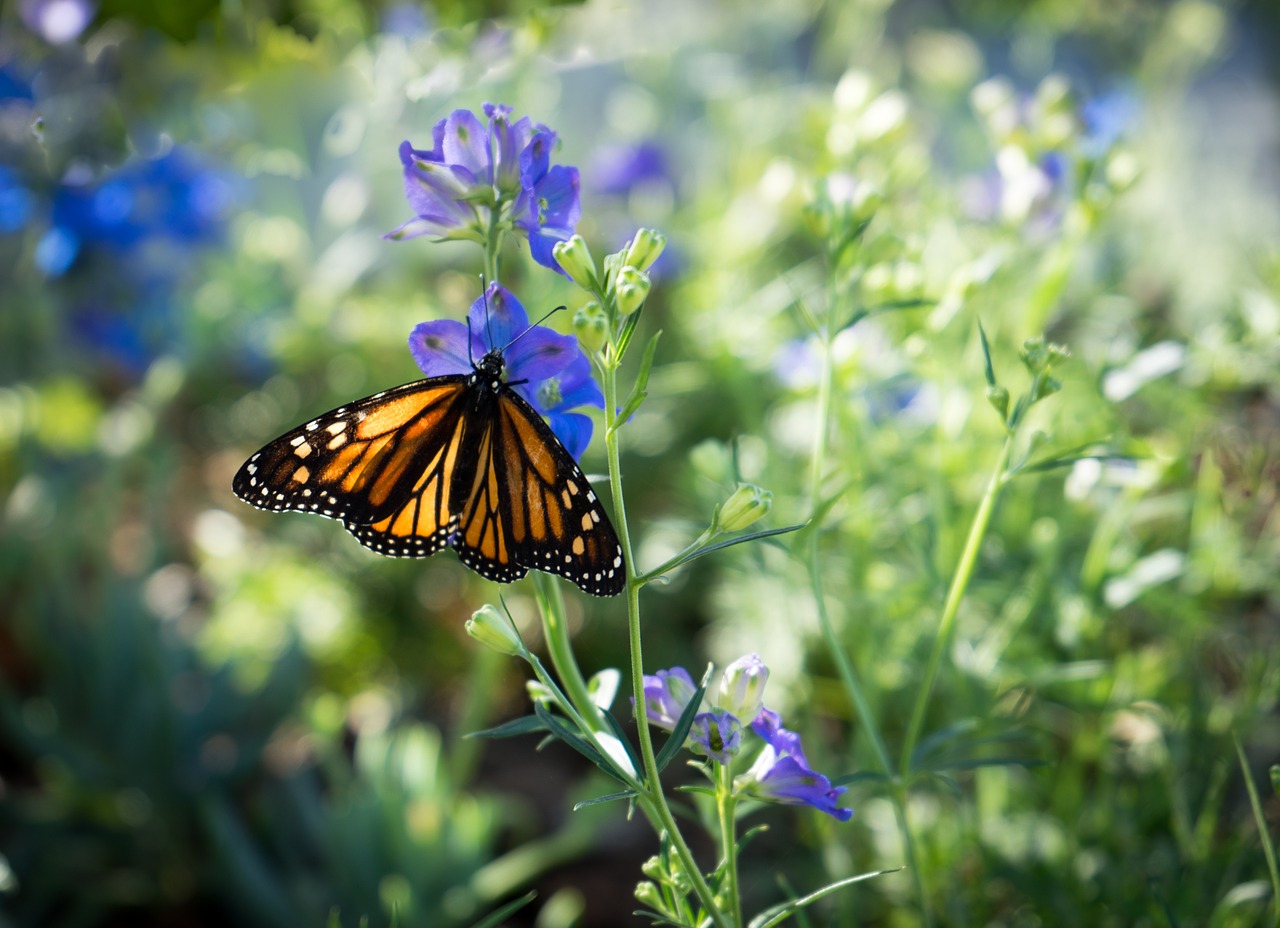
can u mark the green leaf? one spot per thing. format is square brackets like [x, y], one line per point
[1068, 458]
[658, 918]
[1260, 818]
[495, 918]
[563, 732]
[628, 330]
[1275, 778]
[621, 735]
[611, 797]
[729, 543]
[683, 724]
[526, 725]
[640, 391]
[776, 915]
[987, 369]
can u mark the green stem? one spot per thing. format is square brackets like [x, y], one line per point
[959, 584]
[726, 803]
[555, 629]
[653, 784]
[844, 665]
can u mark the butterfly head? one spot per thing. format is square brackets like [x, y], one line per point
[490, 371]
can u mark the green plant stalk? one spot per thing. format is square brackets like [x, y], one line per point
[959, 584]
[844, 666]
[726, 804]
[652, 794]
[1268, 849]
[555, 630]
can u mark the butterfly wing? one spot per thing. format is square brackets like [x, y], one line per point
[384, 456]
[530, 505]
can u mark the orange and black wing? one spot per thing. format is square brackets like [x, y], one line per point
[529, 505]
[383, 465]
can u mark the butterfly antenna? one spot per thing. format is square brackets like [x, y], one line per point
[488, 324]
[533, 326]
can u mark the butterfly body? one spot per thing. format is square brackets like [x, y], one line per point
[459, 460]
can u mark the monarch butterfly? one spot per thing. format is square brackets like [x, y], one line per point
[458, 460]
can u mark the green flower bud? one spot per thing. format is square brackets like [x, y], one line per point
[591, 325]
[741, 689]
[631, 289]
[1058, 353]
[644, 249]
[494, 630]
[575, 260]
[649, 895]
[1034, 355]
[1048, 387]
[998, 397]
[747, 504]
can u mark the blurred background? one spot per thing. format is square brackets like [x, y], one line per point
[211, 715]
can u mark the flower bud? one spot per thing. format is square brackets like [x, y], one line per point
[575, 260]
[649, 895]
[631, 288]
[591, 325]
[644, 249]
[998, 397]
[741, 691]
[747, 504]
[494, 630]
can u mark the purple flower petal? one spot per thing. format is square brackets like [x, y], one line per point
[559, 202]
[789, 782]
[466, 144]
[578, 386]
[768, 725]
[716, 734]
[666, 694]
[497, 318]
[440, 347]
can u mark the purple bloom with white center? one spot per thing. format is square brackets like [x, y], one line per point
[550, 365]
[475, 173]
[666, 694]
[782, 774]
[717, 734]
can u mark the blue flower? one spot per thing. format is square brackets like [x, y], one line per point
[782, 774]
[616, 170]
[666, 694]
[716, 734]
[555, 374]
[16, 202]
[473, 172]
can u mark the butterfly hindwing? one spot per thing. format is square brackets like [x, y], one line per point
[552, 519]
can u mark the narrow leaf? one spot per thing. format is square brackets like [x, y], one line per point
[987, 369]
[641, 389]
[683, 724]
[628, 330]
[611, 797]
[521, 726]
[498, 916]
[694, 555]
[776, 915]
[621, 735]
[561, 730]
[1268, 847]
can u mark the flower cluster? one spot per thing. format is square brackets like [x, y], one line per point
[548, 369]
[780, 772]
[478, 181]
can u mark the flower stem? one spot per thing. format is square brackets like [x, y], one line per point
[959, 583]
[726, 804]
[844, 665]
[652, 782]
[555, 629]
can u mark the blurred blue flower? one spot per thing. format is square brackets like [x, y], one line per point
[616, 170]
[57, 21]
[1107, 117]
[406, 19]
[556, 375]
[473, 172]
[16, 202]
[13, 86]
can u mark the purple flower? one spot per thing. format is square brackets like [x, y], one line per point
[717, 734]
[556, 374]
[474, 171]
[666, 694]
[616, 170]
[57, 21]
[782, 774]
